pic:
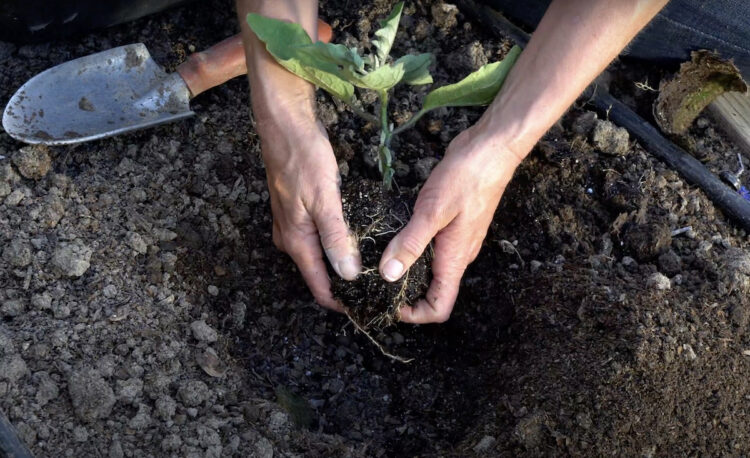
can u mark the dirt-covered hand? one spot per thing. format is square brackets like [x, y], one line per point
[303, 181]
[455, 207]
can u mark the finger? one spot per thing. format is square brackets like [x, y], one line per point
[307, 255]
[409, 244]
[447, 269]
[338, 243]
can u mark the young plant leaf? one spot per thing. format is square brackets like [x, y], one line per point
[340, 55]
[383, 78]
[387, 33]
[417, 68]
[292, 48]
[479, 88]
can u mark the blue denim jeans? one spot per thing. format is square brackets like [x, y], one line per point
[681, 27]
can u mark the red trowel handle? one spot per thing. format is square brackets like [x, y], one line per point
[223, 61]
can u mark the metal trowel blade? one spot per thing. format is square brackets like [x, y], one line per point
[96, 96]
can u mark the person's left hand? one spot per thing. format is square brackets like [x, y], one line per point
[455, 206]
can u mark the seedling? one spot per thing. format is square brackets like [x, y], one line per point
[339, 69]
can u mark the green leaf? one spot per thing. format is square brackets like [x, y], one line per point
[387, 33]
[383, 78]
[417, 68]
[293, 49]
[479, 88]
[340, 55]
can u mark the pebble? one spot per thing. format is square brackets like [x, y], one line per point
[71, 259]
[659, 281]
[203, 332]
[193, 393]
[610, 139]
[213, 290]
[92, 397]
[239, 310]
[33, 162]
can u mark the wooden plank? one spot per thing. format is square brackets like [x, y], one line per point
[731, 111]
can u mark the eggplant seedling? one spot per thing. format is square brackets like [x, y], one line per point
[339, 69]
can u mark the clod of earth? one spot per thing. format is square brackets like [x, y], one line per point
[696, 85]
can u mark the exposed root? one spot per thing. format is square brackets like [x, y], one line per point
[377, 344]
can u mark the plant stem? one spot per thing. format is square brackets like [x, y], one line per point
[384, 152]
[410, 123]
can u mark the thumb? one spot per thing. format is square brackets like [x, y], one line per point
[408, 245]
[338, 243]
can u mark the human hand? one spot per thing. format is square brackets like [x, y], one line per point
[455, 207]
[303, 182]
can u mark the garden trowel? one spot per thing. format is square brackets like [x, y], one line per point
[117, 91]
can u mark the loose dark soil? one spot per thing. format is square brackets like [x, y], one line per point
[583, 328]
[375, 216]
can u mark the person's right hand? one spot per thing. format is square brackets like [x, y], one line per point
[304, 181]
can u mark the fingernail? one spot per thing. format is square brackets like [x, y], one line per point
[392, 270]
[348, 268]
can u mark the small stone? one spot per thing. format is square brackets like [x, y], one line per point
[91, 395]
[423, 167]
[14, 198]
[203, 332]
[72, 259]
[136, 242]
[193, 393]
[610, 139]
[485, 444]
[33, 162]
[12, 368]
[213, 290]
[17, 253]
[659, 281]
[689, 352]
